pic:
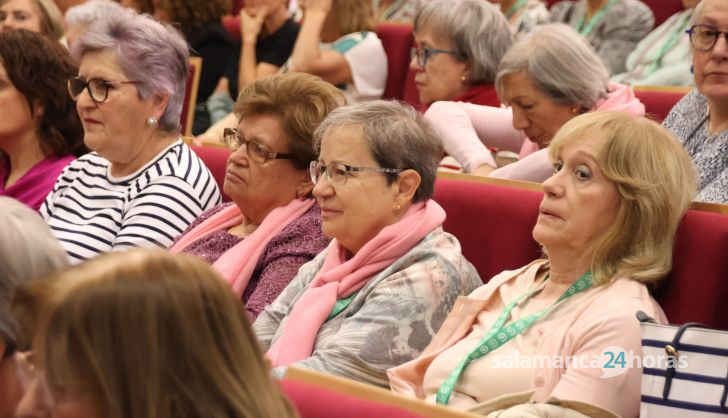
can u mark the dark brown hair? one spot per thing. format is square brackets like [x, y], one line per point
[189, 16]
[39, 68]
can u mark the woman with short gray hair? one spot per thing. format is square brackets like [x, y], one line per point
[375, 296]
[547, 78]
[459, 45]
[28, 250]
[141, 185]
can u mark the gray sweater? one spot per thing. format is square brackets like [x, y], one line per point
[616, 34]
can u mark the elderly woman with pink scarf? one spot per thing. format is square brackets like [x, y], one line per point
[273, 227]
[379, 292]
[548, 77]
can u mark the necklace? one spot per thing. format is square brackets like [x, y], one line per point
[517, 6]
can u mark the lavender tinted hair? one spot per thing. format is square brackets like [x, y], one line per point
[148, 51]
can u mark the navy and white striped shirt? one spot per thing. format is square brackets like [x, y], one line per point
[92, 212]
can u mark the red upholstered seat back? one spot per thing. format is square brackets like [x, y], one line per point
[697, 288]
[658, 103]
[215, 158]
[232, 27]
[312, 401]
[663, 9]
[397, 41]
[492, 223]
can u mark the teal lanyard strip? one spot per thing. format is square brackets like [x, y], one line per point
[671, 41]
[584, 31]
[340, 305]
[515, 8]
[500, 333]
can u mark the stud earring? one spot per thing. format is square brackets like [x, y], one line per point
[464, 78]
[152, 121]
[398, 207]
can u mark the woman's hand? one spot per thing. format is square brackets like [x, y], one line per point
[250, 26]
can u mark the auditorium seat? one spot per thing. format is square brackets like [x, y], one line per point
[658, 102]
[215, 158]
[493, 224]
[318, 395]
[231, 23]
[192, 85]
[397, 41]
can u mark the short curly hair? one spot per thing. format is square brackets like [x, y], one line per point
[39, 68]
[189, 16]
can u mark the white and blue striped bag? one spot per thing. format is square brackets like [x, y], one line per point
[688, 374]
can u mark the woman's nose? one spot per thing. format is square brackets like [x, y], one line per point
[520, 121]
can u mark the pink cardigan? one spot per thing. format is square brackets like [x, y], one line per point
[466, 129]
[606, 317]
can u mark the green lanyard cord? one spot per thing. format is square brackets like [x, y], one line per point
[515, 8]
[671, 41]
[500, 333]
[340, 305]
[598, 16]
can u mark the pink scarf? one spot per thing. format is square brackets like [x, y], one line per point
[237, 264]
[339, 278]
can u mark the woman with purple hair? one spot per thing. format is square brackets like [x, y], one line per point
[141, 186]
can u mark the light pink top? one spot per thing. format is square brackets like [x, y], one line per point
[466, 129]
[584, 325]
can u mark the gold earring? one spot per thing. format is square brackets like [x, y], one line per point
[574, 110]
[398, 207]
[464, 78]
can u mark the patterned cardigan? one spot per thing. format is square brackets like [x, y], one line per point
[390, 320]
[616, 34]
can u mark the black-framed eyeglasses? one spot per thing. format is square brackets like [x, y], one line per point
[423, 54]
[337, 173]
[255, 150]
[704, 37]
[98, 88]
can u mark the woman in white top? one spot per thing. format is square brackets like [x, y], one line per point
[141, 185]
[664, 56]
[337, 43]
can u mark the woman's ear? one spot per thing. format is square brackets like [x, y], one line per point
[407, 184]
[160, 102]
[304, 188]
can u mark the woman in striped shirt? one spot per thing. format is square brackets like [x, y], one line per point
[141, 185]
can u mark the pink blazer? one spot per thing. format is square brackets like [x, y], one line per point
[605, 317]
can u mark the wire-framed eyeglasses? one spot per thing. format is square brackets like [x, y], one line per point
[337, 173]
[98, 88]
[704, 37]
[423, 54]
[255, 150]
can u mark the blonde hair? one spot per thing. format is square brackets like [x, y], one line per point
[656, 181]
[355, 16]
[51, 18]
[154, 335]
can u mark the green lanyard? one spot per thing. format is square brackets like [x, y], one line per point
[584, 31]
[500, 334]
[671, 41]
[515, 8]
[340, 305]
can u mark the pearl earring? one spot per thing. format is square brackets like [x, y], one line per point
[152, 121]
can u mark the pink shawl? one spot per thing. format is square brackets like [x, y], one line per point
[237, 264]
[339, 278]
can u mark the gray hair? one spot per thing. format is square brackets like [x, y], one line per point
[398, 138]
[477, 29]
[28, 250]
[560, 63]
[84, 14]
[151, 52]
